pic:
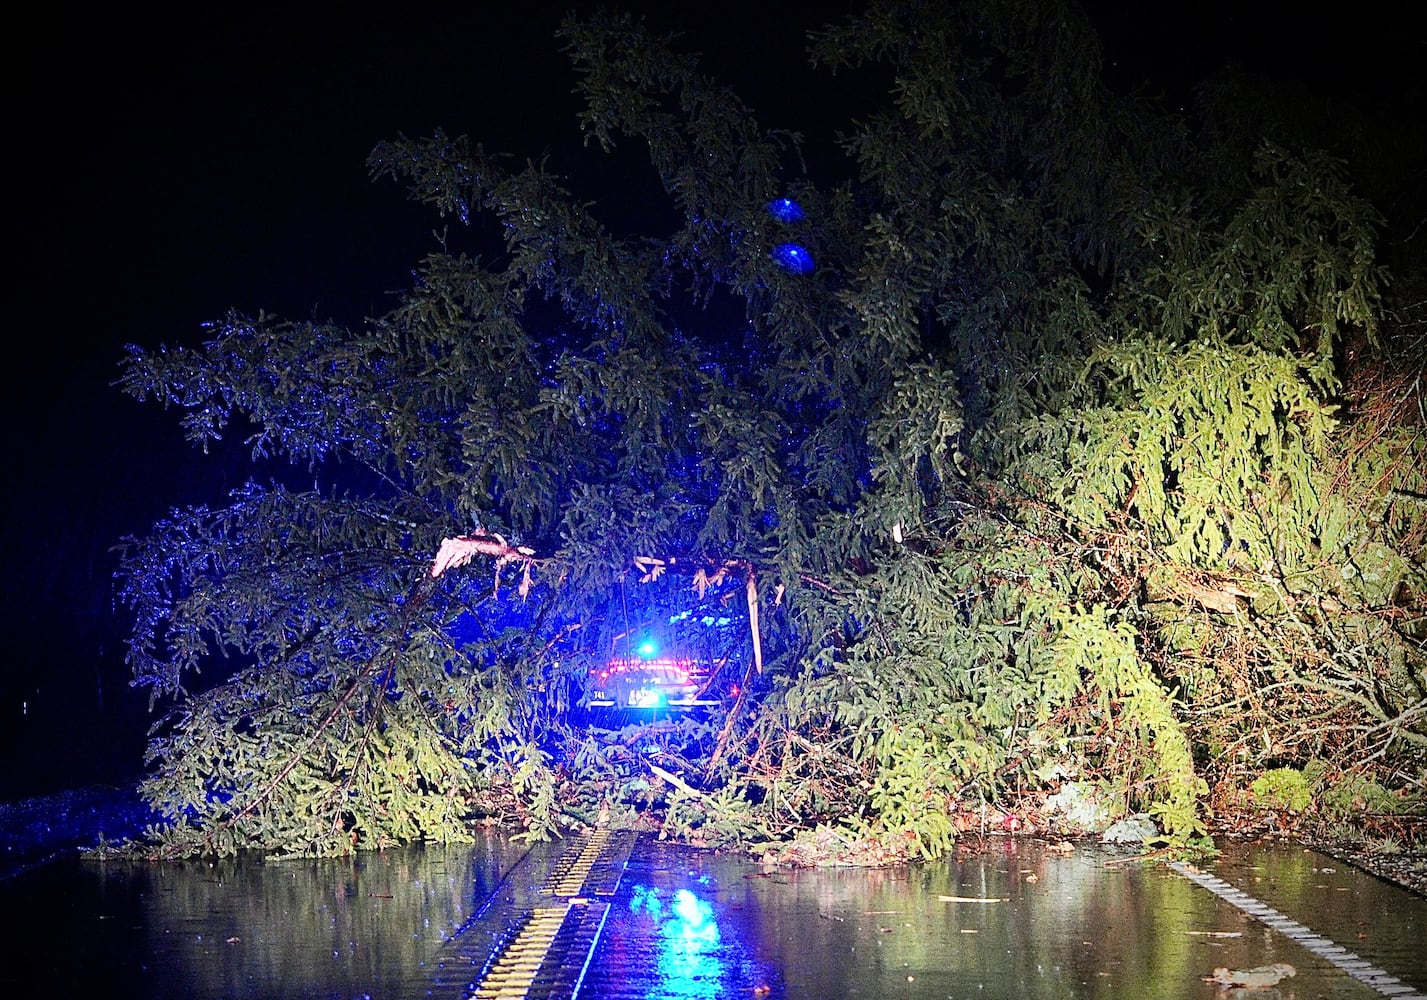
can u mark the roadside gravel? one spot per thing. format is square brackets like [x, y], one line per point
[1407, 867]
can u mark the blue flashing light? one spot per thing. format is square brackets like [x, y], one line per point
[647, 698]
[647, 648]
[793, 257]
[785, 210]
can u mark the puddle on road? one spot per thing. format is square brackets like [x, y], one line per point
[345, 928]
[1380, 923]
[688, 924]
[1013, 921]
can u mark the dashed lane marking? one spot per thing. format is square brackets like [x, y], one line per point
[1379, 979]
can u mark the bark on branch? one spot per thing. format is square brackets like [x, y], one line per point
[462, 549]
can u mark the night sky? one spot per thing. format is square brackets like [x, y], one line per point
[167, 170]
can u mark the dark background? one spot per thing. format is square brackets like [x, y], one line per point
[166, 169]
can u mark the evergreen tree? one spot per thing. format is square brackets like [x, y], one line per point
[1021, 463]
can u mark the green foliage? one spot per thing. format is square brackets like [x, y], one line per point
[912, 792]
[1092, 645]
[1283, 788]
[1345, 796]
[722, 819]
[1047, 473]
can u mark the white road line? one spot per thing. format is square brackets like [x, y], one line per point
[1380, 980]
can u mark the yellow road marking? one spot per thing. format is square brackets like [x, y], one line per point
[571, 882]
[514, 971]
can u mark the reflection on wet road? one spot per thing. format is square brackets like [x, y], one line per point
[1013, 920]
[1009, 918]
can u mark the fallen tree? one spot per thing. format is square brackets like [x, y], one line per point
[1027, 468]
